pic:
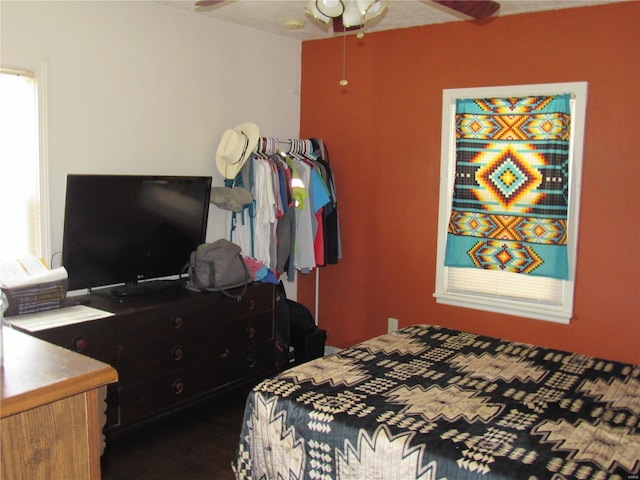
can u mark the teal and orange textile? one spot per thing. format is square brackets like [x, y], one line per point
[511, 187]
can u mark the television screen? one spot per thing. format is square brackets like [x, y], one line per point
[129, 228]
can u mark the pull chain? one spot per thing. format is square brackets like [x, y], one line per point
[344, 82]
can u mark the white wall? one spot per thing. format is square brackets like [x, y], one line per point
[135, 87]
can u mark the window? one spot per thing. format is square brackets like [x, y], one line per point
[538, 297]
[23, 182]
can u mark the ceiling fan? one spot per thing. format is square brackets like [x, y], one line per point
[353, 14]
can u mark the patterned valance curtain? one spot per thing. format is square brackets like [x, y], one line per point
[511, 191]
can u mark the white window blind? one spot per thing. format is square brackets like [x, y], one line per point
[510, 293]
[502, 285]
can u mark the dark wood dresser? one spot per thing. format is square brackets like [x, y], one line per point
[172, 349]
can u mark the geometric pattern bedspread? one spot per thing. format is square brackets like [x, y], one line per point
[427, 402]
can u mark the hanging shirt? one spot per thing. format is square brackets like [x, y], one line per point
[320, 198]
[264, 225]
[304, 255]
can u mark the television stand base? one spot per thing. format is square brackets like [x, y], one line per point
[142, 288]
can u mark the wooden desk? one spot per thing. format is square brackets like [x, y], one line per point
[51, 410]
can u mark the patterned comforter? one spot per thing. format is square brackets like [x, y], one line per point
[427, 402]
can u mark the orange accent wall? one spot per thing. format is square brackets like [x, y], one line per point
[383, 135]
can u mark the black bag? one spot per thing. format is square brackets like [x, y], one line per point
[217, 267]
[305, 337]
[283, 333]
[301, 321]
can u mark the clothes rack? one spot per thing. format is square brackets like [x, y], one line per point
[292, 223]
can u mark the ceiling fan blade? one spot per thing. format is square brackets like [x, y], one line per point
[478, 9]
[208, 3]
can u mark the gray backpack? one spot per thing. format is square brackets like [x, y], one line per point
[216, 267]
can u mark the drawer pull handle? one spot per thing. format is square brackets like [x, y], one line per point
[225, 354]
[79, 343]
[251, 360]
[251, 331]
[178, 321]
[177, 386]
[177, 352]
[251, 303]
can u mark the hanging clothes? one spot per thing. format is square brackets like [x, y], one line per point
[292, 223]
[265, 218]
[332, 244]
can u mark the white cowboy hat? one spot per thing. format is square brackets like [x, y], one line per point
[235, 147]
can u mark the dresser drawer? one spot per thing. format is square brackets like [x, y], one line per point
[247, 363]
[170, 321]
[259, 298]
[147, 399]
[141, 362]
[95, 339]
[247, 331]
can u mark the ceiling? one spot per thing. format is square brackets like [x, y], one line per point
[271, 15]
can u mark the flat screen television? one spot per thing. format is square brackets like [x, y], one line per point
[126, 229]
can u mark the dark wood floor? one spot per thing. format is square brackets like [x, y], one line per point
[194, 445]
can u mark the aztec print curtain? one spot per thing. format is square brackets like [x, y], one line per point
[510, 196]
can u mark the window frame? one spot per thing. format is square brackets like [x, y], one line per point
[38, 67]
[559, 313]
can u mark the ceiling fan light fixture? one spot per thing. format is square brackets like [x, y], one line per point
[352, 16]
[330, 8]
[345, 14]
[361, 5]
[312, 10]
[374, 9]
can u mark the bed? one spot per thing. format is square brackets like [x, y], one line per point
[428, 402]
